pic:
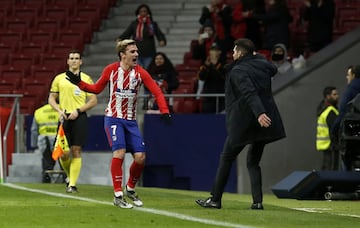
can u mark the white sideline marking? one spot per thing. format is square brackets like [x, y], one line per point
[148, 210]
[324, 210]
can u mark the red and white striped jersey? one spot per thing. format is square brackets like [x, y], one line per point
[124, 88]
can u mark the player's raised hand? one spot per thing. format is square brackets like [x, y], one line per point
[166, 118]
[73, 78]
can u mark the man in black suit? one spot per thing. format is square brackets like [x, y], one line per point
[252, 117]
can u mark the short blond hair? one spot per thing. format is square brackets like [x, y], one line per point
[122, 44]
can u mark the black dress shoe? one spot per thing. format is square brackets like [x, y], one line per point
[208, 203]
[257, 206]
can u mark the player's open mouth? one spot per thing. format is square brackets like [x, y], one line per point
[135, 60]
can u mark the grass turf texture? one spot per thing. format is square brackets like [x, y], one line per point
[19, 208]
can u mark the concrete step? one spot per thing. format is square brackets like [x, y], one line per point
[155, 6]
[120, 25]
[25, 170]
[95, 168]
[36, 179]
[126, 10]
[188, 18]
[26, 158]
[195, 5]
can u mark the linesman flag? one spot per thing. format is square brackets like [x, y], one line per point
[61, 144]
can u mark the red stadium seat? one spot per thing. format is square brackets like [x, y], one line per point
[90, 13]
[187, 55]
[187, 75]
[3, 58]
[71, 5]
[32, 47]
[7, 71]
[48, 24]
[34, 4]
[25, 59]
[104, 6]
[17, 24]
[81, 25]
[55, 12]
[41, 36]
[62, 49]
[193, 63]
[42, 88]
[72, 37]
[8, 46]
[47, 59]
[10, 36]
[44, 73]
[184, 67]
[9, 83]
[190, 106]
[178, 105]
[265, 53]
[350, 23]
[26, 13]
[29, 102]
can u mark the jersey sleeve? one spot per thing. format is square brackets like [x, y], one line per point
[99, 85]
[155, 90]
[55, 85]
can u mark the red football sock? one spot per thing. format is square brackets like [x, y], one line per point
[135, 173]
[116, 173]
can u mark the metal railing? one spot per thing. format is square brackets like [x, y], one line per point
[190, 95]
[14, 115]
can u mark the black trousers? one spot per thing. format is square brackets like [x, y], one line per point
[330, 159]
[227, 157]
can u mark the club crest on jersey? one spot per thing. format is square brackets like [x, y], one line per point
[133, 82]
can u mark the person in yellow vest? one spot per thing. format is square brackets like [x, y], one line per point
[43, 133]
[72, 107]
[326, 114]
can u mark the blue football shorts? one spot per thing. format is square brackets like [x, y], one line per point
[123, 134]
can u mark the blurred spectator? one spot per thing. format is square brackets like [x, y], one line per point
[143, 30]
[276, 23]
[163, 72]
[352, 89]
[220, 15]
[212, 81]
[238, 26]
[43, 134]
[206, 39]
[253, 28]
[279, 58]
[326, 114]
[320, 16]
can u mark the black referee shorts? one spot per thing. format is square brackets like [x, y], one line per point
[76, 131]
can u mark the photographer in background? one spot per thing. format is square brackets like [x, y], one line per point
[207, 38]
[352, 89]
